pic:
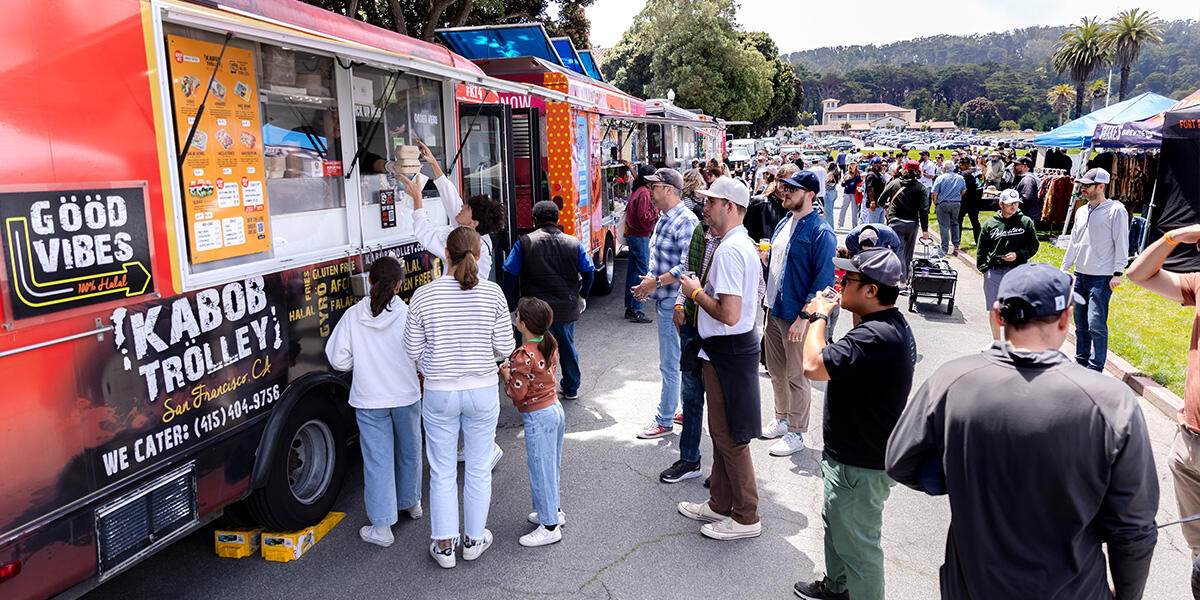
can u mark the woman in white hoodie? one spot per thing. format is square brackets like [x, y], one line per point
[458, 325]
[369, 339]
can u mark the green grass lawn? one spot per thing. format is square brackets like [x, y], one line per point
[1144, 328]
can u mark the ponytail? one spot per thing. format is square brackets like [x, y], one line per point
[462, 246]
[386, 272]
[537, 317]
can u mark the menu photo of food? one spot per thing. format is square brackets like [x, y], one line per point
[188, 84]
[223, 138]
[200, 140]
[218, 90]
[242, 90]
[248, 140]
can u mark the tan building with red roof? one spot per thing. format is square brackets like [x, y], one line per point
[863, 117]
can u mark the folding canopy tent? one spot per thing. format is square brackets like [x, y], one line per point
[1179, 183]
[1146, 133]
[1078, 133]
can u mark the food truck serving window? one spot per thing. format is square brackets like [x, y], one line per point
[262, 177]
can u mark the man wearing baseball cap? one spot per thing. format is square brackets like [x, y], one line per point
[929, 170]
[1045, 463]
[1027, 185]
[798, 266]
[870, 373]
[1098, 250]
[907, 209]
[947, 195]
[729, 363]
[1008, 240]
[669, 241]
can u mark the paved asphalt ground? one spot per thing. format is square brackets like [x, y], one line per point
[624, 538]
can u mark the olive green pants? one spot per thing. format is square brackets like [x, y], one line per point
[853, 516]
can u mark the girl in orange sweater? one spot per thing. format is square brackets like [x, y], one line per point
[528, 376]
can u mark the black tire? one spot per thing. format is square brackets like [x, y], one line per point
[238, 515]
[950, 306]
[602, 285]
[307, 468]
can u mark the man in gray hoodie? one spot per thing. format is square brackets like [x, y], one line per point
[1045, 461]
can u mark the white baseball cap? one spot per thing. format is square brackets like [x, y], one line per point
[1096, 175]
[727, 188]
[1009, 196]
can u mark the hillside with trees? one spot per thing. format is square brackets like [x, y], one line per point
[990, 78]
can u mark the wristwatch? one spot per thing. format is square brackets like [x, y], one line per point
[813, 318]
[657, 282]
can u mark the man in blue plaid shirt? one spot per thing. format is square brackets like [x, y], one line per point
[668, 259]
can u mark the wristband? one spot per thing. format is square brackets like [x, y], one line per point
[694, 292]
[1167, 236]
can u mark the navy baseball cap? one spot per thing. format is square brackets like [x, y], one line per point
[806, 180]
[880, 264]
[1036, 290]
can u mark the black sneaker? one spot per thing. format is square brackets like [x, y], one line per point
[816, 590]
[629, 313]
[639, 317]
[708, 481]
[679, 471]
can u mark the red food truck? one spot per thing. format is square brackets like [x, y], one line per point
[188, 192]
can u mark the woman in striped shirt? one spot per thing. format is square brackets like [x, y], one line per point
[457, 326]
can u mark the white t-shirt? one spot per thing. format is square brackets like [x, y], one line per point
[929, 172]
[735, 271]
[822, 175]
[779, 252]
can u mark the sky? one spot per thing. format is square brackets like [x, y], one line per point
[802, 26]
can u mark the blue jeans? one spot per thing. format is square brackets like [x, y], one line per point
[691, 394]
[948, 224]
[668, 362]
[390, 439]
[639, 264]
[543, 458]
[831, 195]
[1091, 322]
[564, 334]
[476, 412]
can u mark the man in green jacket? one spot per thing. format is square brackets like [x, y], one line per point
[1007, 240]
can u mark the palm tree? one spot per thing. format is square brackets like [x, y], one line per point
[1060, 98]
[1096, 90]
[1127, 33]
[1082, 51]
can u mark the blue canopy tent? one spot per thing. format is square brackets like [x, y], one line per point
[1078, 133]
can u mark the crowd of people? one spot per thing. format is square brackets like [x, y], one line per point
[1071, 486]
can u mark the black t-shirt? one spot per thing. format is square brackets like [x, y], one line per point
[870, 375]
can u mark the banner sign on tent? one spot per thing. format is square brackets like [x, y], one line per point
[1139, 134]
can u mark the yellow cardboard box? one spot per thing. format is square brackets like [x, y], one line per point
[238, 543]
[287, 546]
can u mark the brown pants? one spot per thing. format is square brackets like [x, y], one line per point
[733, 489]
[1185, 467]
[785, 361]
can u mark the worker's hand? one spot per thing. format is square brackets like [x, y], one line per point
[1186, 235]
[688, 284]
[643, 289]
[1010, 257]
[1114, 282]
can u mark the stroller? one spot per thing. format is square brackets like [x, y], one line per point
[932, 276]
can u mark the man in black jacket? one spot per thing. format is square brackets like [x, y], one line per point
[907, 204]
[1045, 461]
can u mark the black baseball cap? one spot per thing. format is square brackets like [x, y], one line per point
[806, 180]
[1036, 290]
[880, 264]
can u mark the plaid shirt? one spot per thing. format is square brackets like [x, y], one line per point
[668, 247]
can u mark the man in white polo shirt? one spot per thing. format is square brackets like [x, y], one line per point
[729, 354]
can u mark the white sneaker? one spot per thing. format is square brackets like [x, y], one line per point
[776, 428]
[443, 556]
[473, 548]
[415, 511]
[791, 443]
[700, 511]
[541, 537]
[496, 454]
[731, 530]
[380, 536]
[562, 518]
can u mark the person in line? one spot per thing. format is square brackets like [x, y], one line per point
[905, 201]
[552, 266]
[1015, 429]
[640, 215]
[831, 192]
[766, 210]
[1098, 250]
[386, 396]
[760, 169]
[668, 245]
[799, 264]
[479, 212]
[1027, 185]
[729, 358]
[528, 376]
[1008, 241]
[972, 198]
[691, 389]
[994, 171]
[818, 169]
[457, 326]
[947, 194]
[870, 372]
[692, 181]
[929, 170]
[851, 196]
[1184, 461]
[874, 182]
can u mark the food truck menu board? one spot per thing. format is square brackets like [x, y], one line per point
[223, 178]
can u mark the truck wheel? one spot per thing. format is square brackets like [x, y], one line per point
[950, 306]
[602, 285]
[309, 464]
